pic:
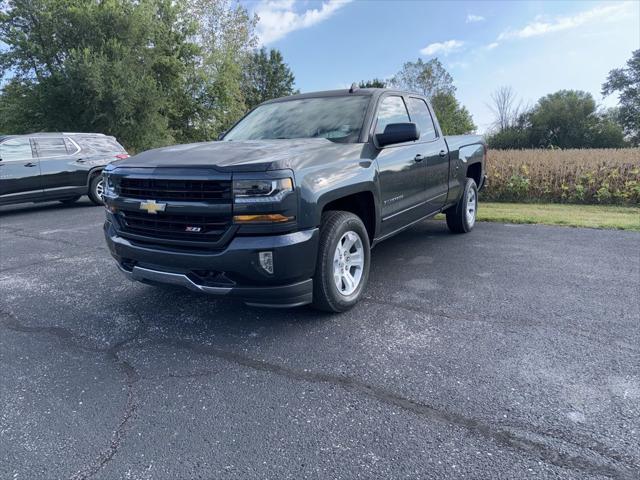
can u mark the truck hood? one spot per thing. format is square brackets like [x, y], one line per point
[245, 156]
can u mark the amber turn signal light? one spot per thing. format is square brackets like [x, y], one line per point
[267, 218]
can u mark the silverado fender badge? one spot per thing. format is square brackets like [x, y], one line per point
[150, 206]
[193, 229]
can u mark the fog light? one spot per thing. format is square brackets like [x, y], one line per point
[266, 261]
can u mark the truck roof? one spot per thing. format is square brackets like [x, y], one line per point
[370, 92]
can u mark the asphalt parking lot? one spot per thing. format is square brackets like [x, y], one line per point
[511, 352]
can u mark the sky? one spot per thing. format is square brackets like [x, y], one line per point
[535, 47]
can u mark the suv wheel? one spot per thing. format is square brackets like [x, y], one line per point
[462, 217]
[96, 189]
[342, 270]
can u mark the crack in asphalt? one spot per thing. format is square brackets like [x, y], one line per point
[71, 340]
[492, 432]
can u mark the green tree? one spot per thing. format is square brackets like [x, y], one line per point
[226, 37]
[116, 66]
[454, 119]
[375, 83]
[266, 76]
[569, 119]
[427, 78]
[150, 72]
[626, 81]
[432, 80]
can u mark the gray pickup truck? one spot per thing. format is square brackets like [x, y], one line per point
[284, 210]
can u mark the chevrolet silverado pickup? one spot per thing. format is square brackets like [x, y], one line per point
[284, 209]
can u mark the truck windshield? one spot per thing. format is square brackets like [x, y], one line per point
[338, 119]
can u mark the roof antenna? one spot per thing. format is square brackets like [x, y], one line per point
[354, 87]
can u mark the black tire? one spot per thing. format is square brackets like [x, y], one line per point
[93, 194]
[457, 219]
[326, 296]
[69, 201]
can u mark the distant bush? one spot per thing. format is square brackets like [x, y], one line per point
[594, 176]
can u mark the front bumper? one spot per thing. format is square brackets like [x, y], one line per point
[234, 271]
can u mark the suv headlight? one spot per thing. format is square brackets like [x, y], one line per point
[261, 191]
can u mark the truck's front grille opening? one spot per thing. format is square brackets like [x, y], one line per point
[179, 227]
[169, 189]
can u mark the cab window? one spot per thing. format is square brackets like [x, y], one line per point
[15, 149]
[420, 116]
[391, 110]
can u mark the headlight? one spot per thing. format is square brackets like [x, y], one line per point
[109, 187]
[261, 191]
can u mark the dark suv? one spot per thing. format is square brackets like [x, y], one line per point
[55, 166]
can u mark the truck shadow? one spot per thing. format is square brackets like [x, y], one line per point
[179, 312]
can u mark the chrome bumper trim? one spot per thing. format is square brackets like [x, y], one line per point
[141, 274]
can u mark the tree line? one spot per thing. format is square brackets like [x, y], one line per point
[571, 118]
[150, 72]
[157, 72]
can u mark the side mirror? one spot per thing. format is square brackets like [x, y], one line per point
[398, 133]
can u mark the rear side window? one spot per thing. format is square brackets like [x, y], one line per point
[391, 110]
[99, 144]
[72, 148]
[15, 149]
[421, 116]
[50, 147]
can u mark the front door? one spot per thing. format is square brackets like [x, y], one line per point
[19, 171]
[402, 171]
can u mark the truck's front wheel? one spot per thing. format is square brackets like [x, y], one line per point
[342, 270]
[462, 217]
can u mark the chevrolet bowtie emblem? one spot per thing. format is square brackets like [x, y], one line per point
[150, 206]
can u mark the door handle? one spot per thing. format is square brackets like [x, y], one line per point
[30, 164]
[418, 158]
[80, 160]
[443, 153]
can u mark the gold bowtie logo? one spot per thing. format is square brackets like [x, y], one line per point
[150, 206]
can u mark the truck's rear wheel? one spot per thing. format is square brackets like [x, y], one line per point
[342, 270]
[462, 217]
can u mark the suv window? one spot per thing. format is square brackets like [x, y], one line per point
[72, 148]
[50, 147]
[391, 110]
[421, 116]
[98, 144]
[15, 149]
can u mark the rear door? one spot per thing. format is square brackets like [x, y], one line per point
[19, 170]
[435, 152]
[59, 164]
[402, 170]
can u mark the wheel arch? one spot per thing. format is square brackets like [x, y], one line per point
[360, 202]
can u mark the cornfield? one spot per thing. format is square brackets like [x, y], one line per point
[594, 176]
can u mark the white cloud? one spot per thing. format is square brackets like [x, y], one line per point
[491, 46]
[278, 17]
[471, 18]
[442, 47]
[541, 27]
